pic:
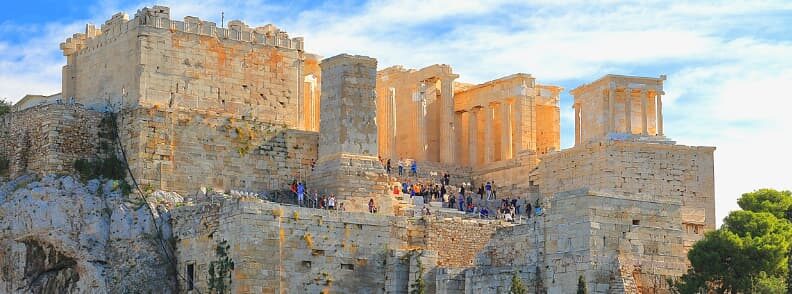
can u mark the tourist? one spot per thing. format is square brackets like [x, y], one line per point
[488, 190]
[461, 202]
[427, 211]
[322, 202]
[446, 178]
[293, 187]
[469, 203]
[404, 187]
[494, 192]
[528, 209]
[341, 207]
[300, 193]
[516, 207]
[414, 168]
[451, 201]
[484, 212]
[316, 200]
[372, 207]
[331, 202]
[396, 190]
[442, 192]
[401, 168]
[388, 166]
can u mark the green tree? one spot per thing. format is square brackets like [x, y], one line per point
[748, 254]
[5, 106]
[767, 200]
[582, 286]
[517, 286]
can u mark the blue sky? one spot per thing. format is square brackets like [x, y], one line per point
[728, 63]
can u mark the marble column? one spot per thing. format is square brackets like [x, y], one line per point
[489, 144]
[611, 110]
[659, 107]
[517, 127]
[421, 131]
[473, 143]
[644, 113]
[628, 110]
[447, 144]
[506, 129]
[392, 124]
[578, 139]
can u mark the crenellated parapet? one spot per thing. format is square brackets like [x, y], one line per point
[158, 17]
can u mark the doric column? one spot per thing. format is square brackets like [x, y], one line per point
[473, 143]
[578, 139]
[392, 125]
[421, 131]
[611, 109]
[644, 113]
[659, 106]
[506, 130]
[517, 125]
[628, 109]
[458, 135]
[489, 143]
[448, 144]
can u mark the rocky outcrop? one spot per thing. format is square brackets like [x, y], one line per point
[58, 235]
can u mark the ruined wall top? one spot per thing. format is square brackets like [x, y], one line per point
[158, 17]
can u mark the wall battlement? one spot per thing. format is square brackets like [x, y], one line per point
[158, 17]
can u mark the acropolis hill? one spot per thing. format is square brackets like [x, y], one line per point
[216, 122]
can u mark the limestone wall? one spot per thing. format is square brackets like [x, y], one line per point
[49, 138]
[152, 60]
[457, 242]
[296, 250]
[595, 234]
[633, 168]
[183, 151]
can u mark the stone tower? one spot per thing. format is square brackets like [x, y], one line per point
[348, 165]
[619, 107]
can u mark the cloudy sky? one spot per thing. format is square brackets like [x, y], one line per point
[728, 64]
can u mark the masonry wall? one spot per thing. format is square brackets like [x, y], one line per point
[633, 168]
[182, 70]
[182, 151]
[602, 236]
[457, 242]
[48, 139]
[295, 250]
[107, 68]
[153, 61]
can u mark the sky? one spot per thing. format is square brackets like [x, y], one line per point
[728, 63]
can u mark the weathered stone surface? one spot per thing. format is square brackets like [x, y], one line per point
[58, 235]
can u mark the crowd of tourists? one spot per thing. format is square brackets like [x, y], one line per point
[322, 201]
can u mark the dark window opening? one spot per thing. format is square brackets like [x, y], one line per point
[306, 264]
[636, 222]
[190, 276]
[348, 266]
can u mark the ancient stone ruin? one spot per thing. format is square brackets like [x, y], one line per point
[215, 124]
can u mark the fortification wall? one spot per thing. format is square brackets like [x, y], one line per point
[287, 248]
[184, 70]
[598, 235]
[182, 151]
[457, 241]
[48, 139]
[633, 168]
[152, 60]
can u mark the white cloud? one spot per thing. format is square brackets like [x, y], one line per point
[728, 63]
